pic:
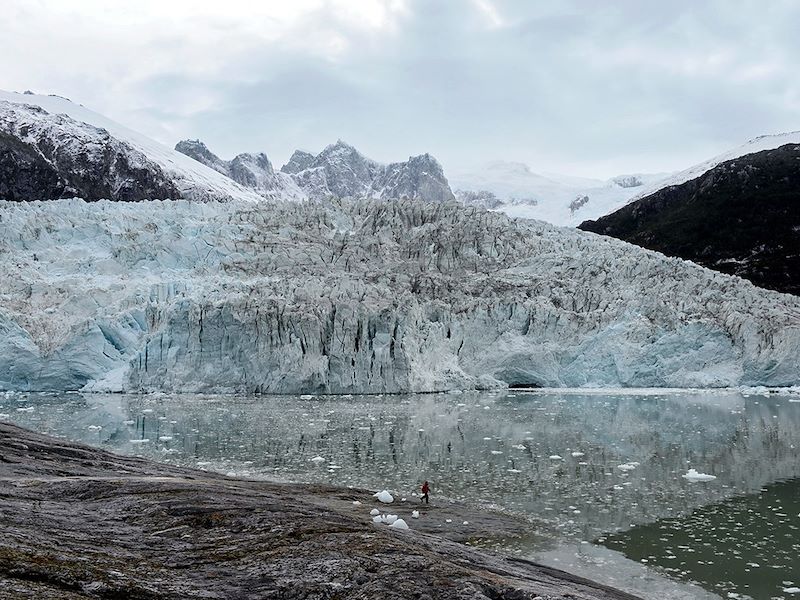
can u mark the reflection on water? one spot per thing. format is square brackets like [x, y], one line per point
[745, 545]
[588, 465]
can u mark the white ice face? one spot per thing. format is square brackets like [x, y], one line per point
[363, 296]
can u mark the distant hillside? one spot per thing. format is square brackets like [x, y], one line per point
[740, 216]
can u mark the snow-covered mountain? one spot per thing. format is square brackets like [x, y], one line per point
[557, 199]
[738, 213]
[758, 144]
[52, 147]
[341, 171]
[252, 171]
[363, 296]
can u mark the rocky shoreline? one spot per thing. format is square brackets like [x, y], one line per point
[80, 522]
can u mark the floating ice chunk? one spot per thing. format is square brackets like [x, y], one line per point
[496, 451]
[306, 397]
[317, 460]
[143, 441]
[165, 438]
[94, 427]
[628, 466]
[578, 454]
[25, 409]
[513, 470]
[448, 520]
[518, 446]
[377, 519]
[399, 524]
[693, 475]
[374, 512]
[389, 519]
[356, 503]
[147, 411]
[555, 457]
[791, 590]
[465, 523]
[128, 422]
[384, 497]
[415, 514]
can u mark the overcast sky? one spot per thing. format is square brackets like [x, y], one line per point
[587, 88]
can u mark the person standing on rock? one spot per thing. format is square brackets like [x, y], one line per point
[425, 489]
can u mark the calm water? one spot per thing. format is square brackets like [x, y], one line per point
[601, 473]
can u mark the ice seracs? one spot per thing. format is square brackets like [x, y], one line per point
[363, 296]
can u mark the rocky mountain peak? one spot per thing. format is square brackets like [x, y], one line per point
[299, 161]
[251, 170]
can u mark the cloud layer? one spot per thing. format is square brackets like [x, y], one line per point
[590, 88]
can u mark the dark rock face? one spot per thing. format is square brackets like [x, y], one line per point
[741, 217]
[45, 156]
[25, 174]
[83, 523]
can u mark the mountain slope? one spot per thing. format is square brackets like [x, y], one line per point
[363, 296]
[739, 216]
[560, 200]
[56, 141]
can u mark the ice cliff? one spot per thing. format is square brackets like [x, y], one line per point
[363, 296]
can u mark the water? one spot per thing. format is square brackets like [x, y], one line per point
[588, 468]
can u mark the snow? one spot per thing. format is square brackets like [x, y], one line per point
[526, 194]
[759, 144]
[694, 475]
[399, 524]
[384, 496]
[237, 297]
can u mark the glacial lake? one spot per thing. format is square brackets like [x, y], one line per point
[601, 473]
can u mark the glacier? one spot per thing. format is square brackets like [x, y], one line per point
[363, 296]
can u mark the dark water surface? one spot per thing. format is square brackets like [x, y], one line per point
[590, 467]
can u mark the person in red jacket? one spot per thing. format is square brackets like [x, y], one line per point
[425, 489]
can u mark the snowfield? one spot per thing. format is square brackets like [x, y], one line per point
[363, 296]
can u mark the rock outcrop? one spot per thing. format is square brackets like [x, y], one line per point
[363, 296]
[79, 522]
